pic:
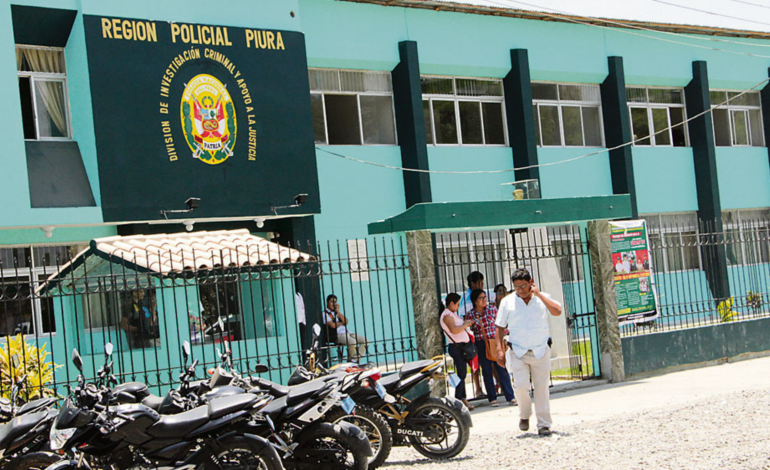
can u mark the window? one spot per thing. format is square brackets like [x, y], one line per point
[463, 111]
[654, 111]
[220, 316]
[134, 312]
[739, 122]
[21, 272]
[43, 90]
[567, 115]
[673, 241]
[747, 236]
[352, 108]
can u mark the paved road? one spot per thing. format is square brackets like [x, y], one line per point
[714, 417]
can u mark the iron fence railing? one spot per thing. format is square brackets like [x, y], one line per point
[559, 261]
[147, 315]
[705, 274]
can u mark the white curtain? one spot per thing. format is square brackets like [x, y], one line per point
[52, 92]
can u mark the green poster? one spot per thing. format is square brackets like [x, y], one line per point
[632, 263]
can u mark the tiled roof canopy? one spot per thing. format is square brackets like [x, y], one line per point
[168, 253]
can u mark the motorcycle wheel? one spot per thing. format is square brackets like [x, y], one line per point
[33, 461]
[451, 436]
[343, 452]
[374, 425]
[240, 453]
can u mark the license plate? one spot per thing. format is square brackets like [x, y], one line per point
[380, 389]
[348, 404]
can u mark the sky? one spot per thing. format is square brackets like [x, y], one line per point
[750, 15]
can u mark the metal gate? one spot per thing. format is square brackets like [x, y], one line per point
[559, 261]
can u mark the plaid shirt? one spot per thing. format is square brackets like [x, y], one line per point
[487, 319]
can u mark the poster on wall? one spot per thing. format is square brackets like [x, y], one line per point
[632, 264]
[184, 110]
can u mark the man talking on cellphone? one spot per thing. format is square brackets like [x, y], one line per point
[526, 317]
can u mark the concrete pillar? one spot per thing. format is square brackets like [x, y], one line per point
[520, 115]
[426, 319]
[606, 305]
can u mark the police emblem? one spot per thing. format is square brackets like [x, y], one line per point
[208, 119]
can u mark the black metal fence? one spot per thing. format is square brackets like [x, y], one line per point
[147, 315]
[557, 258]
[705, 274]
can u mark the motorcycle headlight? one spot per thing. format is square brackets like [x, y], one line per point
[59, 437]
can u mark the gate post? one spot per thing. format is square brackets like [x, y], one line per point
[610, 346]
[422, 272]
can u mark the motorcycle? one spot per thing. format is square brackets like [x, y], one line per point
[438, 428]
[134, 436]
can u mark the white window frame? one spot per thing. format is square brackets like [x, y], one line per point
[50, 77]
[468, 99]
[730, 108]
[650, 123]
[663, 231]
[358, 95]
[742, 239]
[559, 103]
[33, 273]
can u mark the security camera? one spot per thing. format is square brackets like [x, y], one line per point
[300, 199]
[193, 203]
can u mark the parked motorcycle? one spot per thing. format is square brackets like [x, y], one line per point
[133, 436]
[438, 428]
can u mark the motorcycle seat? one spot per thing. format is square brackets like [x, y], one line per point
[19, 426]
[274, 389]
[36, 405]
[222, 406]
[181, 424]
[297, 393]
[390, 381]
[152, 401]
[275, 408]
[411, 368]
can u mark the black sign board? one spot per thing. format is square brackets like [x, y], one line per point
[191, 110]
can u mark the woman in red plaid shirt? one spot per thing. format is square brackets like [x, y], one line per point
[483, 316]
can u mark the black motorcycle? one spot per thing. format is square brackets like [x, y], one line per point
[134, 436]
[438, 428]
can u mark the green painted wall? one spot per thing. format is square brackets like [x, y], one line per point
[744, 177]
[653, 352]
[665, 179]
[589, 176]
[469, 187]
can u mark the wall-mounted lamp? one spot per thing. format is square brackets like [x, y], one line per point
[48, 231]
[260, 222]
[299, 199]
[188, 225]
[192, 203]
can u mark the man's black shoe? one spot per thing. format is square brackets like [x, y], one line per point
[544, 431]
[524, 424]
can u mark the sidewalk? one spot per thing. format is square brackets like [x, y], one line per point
[608, 400]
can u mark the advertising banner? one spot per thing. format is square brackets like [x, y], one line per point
[632, 263]
[193, 110]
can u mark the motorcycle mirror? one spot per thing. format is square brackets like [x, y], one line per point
[15, 361]
[4, 401]
[77, 360]
[221, 324]
[261, 368]
[108, 349]
[317, 329]
[186, 350]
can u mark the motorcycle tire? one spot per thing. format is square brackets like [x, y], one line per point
[351, 453]
[239, 452]
[374, 425]
[432, 408]
[33, 461]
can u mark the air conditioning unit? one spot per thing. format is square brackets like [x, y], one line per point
[523, 189]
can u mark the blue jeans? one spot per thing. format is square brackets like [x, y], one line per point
[489, 380]
[462, 369]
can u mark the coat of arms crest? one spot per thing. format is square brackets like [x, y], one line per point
[208, 119]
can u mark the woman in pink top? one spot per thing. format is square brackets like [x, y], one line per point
[454, 327]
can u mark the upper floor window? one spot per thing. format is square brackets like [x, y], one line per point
[739, 122]
[352, 107]
[463, 111]
[654, 111]
[43, 90]
[567, 115]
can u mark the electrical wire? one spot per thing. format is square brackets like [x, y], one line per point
[623, 31]
[541, 165]
[710, 12]
[751, 3]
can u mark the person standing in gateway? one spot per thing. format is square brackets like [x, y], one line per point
[526, 317]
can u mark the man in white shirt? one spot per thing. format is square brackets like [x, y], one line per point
[526, 317]
[300, 305]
